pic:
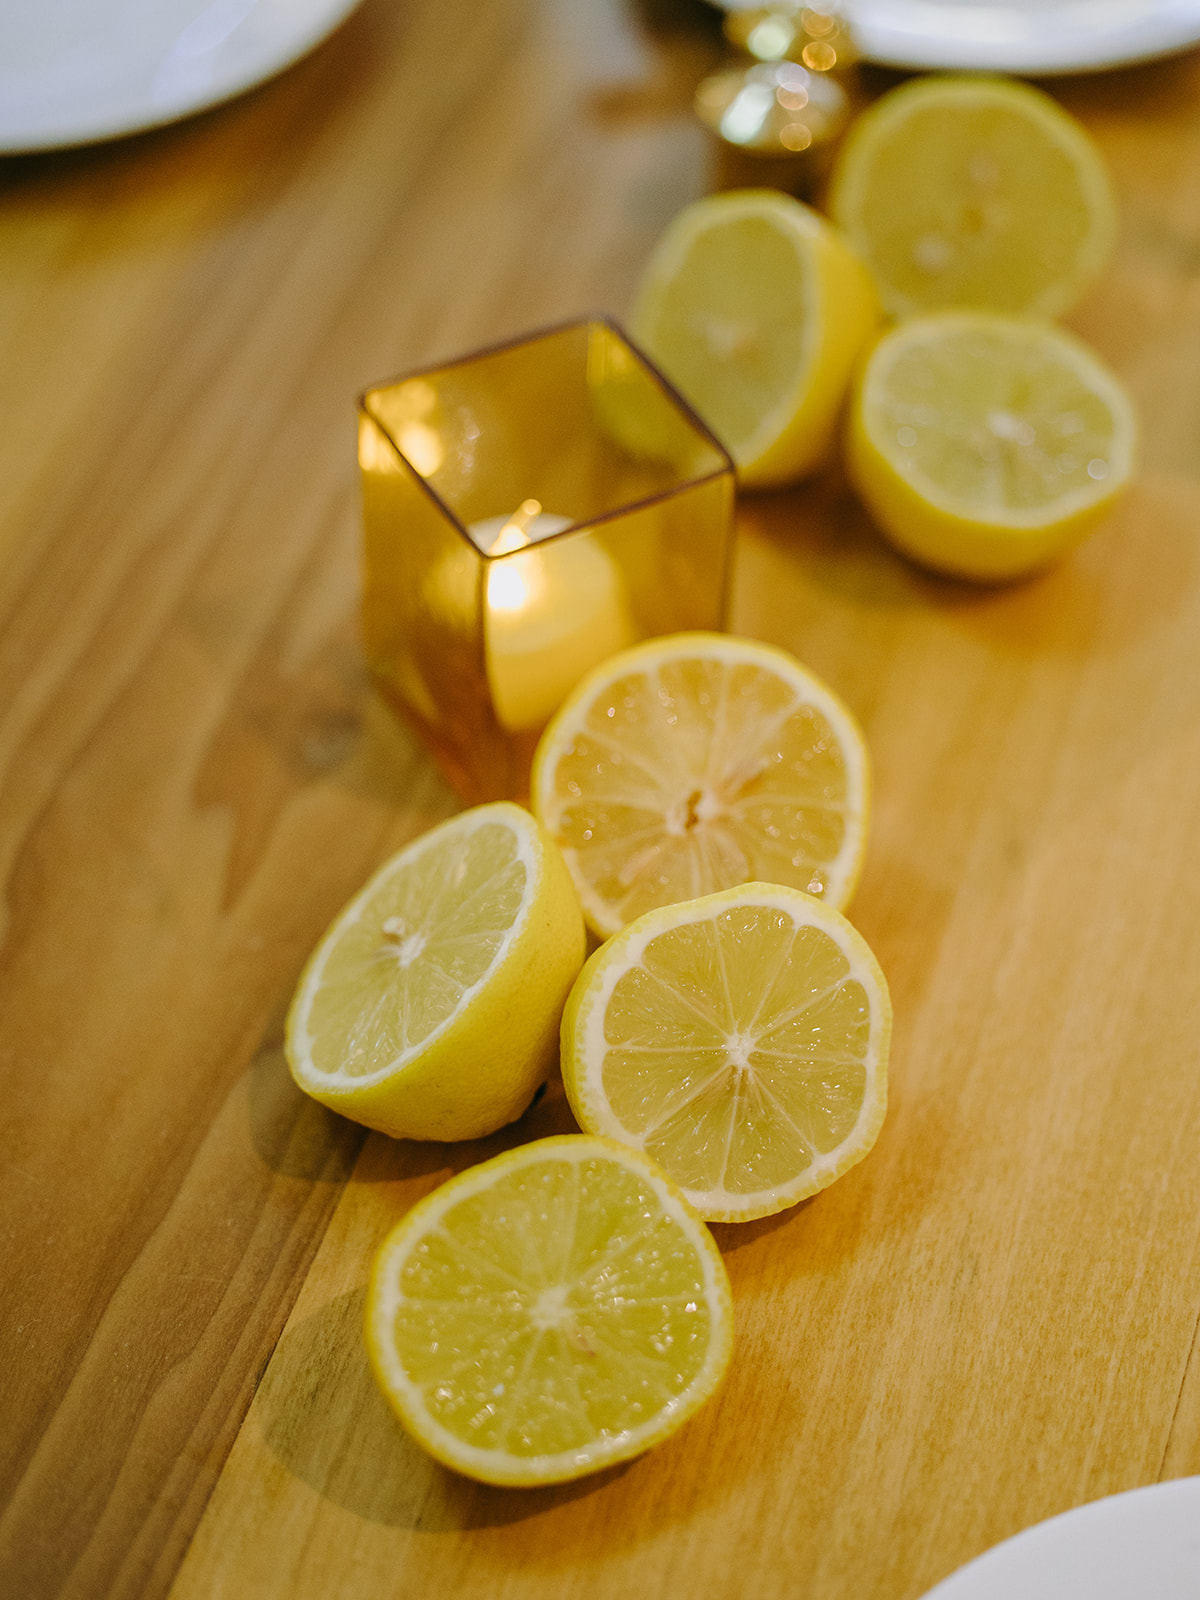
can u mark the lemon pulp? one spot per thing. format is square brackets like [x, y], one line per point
[740, 1040]
[548, 1313]
[430, 1008]
[413, 948]
[974, 191]
[695, 762]
[986, 444]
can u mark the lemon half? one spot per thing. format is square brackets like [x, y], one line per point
[430, 1008]
[697, 761]
[755, 308]
[985, 445]
[741, 1040]
[549, 1313]
[974, 191]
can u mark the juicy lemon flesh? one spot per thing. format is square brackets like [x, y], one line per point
[556, 1319]
[735, 342]
[694, 774]
[978, 194]
[426, 936]
[739, 1053]
[994, 420]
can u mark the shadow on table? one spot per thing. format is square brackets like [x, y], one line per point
[296, 1137]
[840, 567]
[324, 1417]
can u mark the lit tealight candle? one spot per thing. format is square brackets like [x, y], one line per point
[552, 613]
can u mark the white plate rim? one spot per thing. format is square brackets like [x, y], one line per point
[980, 36]
[1099, 1543]
[78, 127]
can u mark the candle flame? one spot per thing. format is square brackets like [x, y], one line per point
[509, 584]
[514, 534]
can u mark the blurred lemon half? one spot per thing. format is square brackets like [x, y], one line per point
[986, 445]
[755, 307]
[972, 191]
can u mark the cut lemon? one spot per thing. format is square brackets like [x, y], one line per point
[549, 1313]
[695, 762]
[986, 445]
[965, 191]
[741, 1040]
[755, 308]
[430, 1009]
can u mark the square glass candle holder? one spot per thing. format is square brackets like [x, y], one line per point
[528, 511]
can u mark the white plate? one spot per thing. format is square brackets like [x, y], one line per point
[74, 71]
[1027, 36]
[1144, 1545]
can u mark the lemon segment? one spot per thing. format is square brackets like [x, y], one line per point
[740, 1040]
[697, 761]
[548, 1313]
[430, 1008]
[986, 445]
[755, 308]
[974, 191]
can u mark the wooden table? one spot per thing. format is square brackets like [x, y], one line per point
[993, 1318]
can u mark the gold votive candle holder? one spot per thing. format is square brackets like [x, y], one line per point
[528, 511]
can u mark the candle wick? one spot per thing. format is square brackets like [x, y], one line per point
[515, 533]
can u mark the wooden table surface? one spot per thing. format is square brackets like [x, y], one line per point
[992, 1319]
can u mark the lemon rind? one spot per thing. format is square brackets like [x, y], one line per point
[384, 1300]
[844, 313]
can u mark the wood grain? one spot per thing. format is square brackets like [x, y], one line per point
[992, 1319]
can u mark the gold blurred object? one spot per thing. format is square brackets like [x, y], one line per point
[787, 95]
[786, 31]
[775, 108]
